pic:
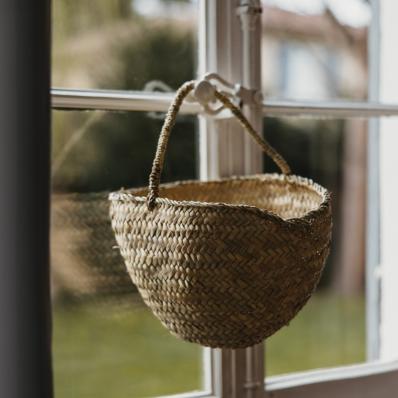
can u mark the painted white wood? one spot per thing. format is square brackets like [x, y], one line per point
[357, 381]
[250, 22]
[380, 386]
[329, 109]
[74, 99]
[299, 379]
[219, 49]
[224, 151]
[389, 182]
[373, 194]
[193, 394]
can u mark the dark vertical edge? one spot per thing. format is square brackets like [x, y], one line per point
[25, 312]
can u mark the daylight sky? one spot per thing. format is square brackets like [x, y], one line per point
[351, 12]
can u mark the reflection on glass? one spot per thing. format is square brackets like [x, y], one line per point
[315, 49]
[123, 44]
[330, 330]
[105, 341]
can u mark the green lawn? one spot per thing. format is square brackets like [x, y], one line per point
[329, 331]
[110, 351]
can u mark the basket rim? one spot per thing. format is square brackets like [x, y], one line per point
[127, 195]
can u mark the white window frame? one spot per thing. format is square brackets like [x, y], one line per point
[230, 45]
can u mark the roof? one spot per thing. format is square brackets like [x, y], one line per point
[315, 27]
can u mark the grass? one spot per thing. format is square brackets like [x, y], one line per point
[110, 352]
[329, 331]
[106, 350]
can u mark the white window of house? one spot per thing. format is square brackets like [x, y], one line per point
[326, 73]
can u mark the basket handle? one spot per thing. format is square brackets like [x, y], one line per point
[158, 162]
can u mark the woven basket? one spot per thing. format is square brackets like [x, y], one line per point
[224, 263]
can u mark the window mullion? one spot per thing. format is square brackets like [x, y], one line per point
[388, 140]
[225, 150]
[373, 192]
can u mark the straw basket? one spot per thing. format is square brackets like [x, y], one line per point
[223, 263]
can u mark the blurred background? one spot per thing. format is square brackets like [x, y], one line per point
[105, 340]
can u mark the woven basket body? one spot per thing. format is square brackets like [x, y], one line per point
[224, 263]
[223, 274]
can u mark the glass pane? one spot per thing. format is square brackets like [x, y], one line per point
[106, 342]
[123, 44]
[330, 330]
[315, 49]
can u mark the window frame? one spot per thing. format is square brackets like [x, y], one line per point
[223, 40]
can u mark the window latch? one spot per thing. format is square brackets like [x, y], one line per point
[240, 95]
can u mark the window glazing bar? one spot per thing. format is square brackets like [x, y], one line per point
[72, 99]
[332, 109]
[107, 100]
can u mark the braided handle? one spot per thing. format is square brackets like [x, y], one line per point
[158, 162]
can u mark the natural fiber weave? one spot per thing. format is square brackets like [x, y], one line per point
[224, 263]
[85, 264]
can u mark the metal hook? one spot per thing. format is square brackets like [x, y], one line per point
[205, 88]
